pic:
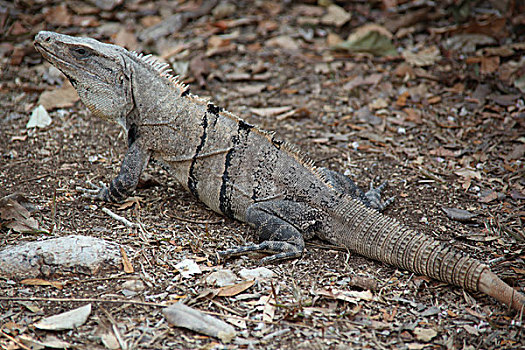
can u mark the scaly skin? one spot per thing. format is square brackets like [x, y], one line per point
[245, 173]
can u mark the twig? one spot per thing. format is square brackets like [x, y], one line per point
[142, 303]
[115, 330]
[120, 218]
[99, 279]
[84, 300]
[326, 246]
[427, 173]
[15, 340]
[34, 178]
[209, 222]
[225, 307]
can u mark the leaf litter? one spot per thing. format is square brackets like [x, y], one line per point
[442, 120]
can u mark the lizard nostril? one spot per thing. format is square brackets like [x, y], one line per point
[43, 37]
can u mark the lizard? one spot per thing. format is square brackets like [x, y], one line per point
[246, 173]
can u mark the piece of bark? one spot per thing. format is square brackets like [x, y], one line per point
[71, 253]
[67, 320]
[184, 316]
[459, 214]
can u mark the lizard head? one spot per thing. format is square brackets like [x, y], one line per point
[96, 70]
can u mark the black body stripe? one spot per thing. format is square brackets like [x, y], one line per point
[224, 201]
[277, 143]
[116, 190]
[192, 180]
[244, 126]
[185, 92]
[132, 134]
[225, 197]
[213, 109]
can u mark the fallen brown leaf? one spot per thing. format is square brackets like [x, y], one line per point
[493, 195]
[41, 282]
[234, 289]
[402, 99]
[65, 96]
[128, 267]
[126, 38]
[14, 214]
[442, 152]
[517, 270]
[58, 15]
[270, 111]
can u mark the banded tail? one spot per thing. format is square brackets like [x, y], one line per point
[383, 238]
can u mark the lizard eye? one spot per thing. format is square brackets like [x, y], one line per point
[80, 52]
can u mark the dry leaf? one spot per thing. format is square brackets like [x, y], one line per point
[517, 270]
[413, 115]
[50, 341]
[234, 289]
[41, 282]
[336, 16]
[402, 99]
[333, 39]
[372, 79]
[184, 316]
[442, 152]
[283, 42]
[378, 103]
[39, 118]
[422, 58]
[493, 195]
[126, 38]
[128, 267]
[188, 267]
[370, 38]
[58, 16]
[66, 320]
[270, 111]
[434, 100]
[64, 97]
[268, 307]
[130, 201]
[459, 214]
[489, 64]
[424, 334]
[15, 215]
[346, 295]
[468, 173]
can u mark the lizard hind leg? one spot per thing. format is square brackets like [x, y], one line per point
[374, 196]
[282, 227]
[343, 184]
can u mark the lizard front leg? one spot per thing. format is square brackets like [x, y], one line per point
[127, 179]
[282, 226]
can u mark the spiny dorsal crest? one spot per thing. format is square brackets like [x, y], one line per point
[163, 69]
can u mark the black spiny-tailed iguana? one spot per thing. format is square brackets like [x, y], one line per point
[245, 173]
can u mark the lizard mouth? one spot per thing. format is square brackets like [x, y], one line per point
[64, 66]
[49, 56]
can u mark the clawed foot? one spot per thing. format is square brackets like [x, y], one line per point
[95, 192]
[374, 197]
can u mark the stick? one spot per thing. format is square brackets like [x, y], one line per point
[142, 303]
[14, 340]
[120, 218]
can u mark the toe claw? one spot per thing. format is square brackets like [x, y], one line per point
[95, 192]
[374, 196]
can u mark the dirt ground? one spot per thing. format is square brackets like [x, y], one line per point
[443, 120]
